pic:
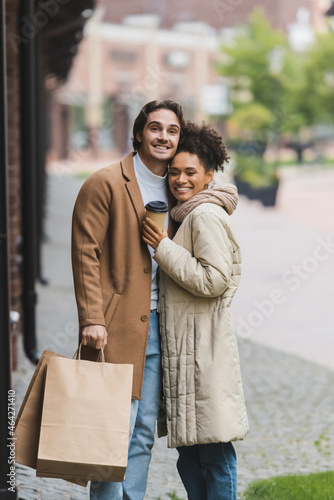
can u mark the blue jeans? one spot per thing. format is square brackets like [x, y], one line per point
[143, 417]
[208, 471]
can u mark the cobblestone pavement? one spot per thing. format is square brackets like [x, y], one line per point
[289, 398]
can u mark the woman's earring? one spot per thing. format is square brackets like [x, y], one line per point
[206, 186]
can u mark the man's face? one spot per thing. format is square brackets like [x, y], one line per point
[160, 137]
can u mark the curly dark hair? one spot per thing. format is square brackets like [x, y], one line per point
[151, 106]
[206, 143]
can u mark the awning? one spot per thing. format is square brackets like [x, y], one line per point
[64, 22]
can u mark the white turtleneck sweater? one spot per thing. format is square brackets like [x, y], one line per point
[153, 188]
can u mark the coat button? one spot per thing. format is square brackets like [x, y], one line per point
[147, 270]
[144, 317]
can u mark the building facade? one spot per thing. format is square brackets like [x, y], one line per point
[217, 13]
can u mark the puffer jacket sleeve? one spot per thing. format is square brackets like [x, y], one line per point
[89, 226]
[206, 272]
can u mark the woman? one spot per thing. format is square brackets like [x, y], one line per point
[199, 274]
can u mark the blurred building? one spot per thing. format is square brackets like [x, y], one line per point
[216, 13]
[138, 50]
[120, 67]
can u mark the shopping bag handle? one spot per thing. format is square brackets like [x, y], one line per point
[77, 354]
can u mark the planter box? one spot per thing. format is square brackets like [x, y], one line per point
[267, 195]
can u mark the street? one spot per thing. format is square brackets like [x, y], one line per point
[284, 324]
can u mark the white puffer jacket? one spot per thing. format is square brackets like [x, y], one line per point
[199, 274]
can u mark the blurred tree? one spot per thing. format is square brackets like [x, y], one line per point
[250, 118]
[268, 79]
[308, 84]
[253, 63]
[319, 79]
[308, 90]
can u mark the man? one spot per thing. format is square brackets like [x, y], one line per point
[115, 278]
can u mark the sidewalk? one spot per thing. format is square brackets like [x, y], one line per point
[285, 337]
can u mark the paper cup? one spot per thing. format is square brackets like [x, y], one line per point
[156, 211]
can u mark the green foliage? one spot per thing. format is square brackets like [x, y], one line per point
[173, 496]
[312, 487]
[82, 174]
[297, 89]
[251, 119]
[78, 118]
[248, 61]
[319, 78]
[308, 84]
[254, 170]
[294, 85]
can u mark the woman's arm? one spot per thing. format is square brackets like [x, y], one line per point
[207, 272]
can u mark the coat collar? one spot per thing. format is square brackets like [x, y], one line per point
[127, 167]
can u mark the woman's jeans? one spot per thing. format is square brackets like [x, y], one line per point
[143, 417]
[208, 471]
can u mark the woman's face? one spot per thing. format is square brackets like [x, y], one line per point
[187, 176]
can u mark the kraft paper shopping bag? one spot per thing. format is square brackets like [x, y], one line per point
[28, 421]
[85, 420]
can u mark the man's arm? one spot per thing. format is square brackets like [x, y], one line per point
[91, 217]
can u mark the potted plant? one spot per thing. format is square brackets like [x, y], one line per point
[256, 178]
[249, 127]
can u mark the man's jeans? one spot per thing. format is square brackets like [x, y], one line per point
[208, 471]
[144, 414]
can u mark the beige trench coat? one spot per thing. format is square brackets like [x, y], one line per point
[112, 265]
[199, 274]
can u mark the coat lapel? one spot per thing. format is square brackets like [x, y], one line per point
[137, 200]
[133, 187]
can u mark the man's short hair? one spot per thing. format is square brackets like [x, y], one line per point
[141, 119]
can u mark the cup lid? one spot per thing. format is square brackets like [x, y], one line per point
[159, 207]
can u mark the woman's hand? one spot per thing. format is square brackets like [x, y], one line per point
[152, 234]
